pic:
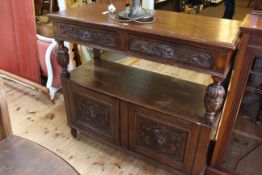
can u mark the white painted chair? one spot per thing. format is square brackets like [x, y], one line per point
[48, 63]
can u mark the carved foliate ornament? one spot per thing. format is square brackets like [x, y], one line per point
[93, 113]
[214, 99]
[63, 58]
[162, 138]
[89, 35]
[184, 55]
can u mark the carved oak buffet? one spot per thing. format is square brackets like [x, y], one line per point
[162, 118]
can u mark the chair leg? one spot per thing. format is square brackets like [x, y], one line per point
[52, 92]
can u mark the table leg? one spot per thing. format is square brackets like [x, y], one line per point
[63, 58]
[214, 99]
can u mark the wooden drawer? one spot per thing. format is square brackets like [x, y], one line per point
[95, 113]
[88, 35]
[172, 52]
[164, 138]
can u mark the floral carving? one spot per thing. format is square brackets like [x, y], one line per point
[185, 55]
[63, 58]
[163, 138]
[93, 113]
[214, 99]
[89, 35]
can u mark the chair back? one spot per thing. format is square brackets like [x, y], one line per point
[5, 125]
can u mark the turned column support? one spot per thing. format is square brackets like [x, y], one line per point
[214, 99]
[63, 58]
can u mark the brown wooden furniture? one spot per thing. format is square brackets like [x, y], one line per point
[23, 157]
[257, 9]
[239, 137]
[159, 117]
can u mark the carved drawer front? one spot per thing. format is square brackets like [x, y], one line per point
[171, 52]
[88, 35]
[163, 138]
[95, 113]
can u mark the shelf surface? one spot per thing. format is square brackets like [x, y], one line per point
[169, 95]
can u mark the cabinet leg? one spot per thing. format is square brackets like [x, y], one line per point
[63, 58]
[74, 132]
[214, 99]
[97, 53]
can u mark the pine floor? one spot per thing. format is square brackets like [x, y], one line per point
[34, 117]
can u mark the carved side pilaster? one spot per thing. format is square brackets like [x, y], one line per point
[214, 99]
[63, 58]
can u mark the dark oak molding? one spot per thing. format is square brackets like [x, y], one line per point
[90, 35]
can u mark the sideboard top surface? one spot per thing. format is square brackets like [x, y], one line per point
[199, 29]
[252, 22]
[166, 94]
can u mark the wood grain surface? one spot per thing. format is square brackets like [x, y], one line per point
[5, 125]
[158, 92]
[252, 23]
[200, 29]
[23, 157]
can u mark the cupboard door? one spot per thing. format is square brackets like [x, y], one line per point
[164, 138]
[94, 113]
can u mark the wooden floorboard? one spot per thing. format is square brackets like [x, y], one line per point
[34, 117]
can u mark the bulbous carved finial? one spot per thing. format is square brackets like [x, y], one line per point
[214, 99]
[63, 58]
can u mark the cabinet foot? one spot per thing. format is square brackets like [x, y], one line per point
[74, 132]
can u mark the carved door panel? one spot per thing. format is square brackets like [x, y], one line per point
[170, 140]
[95, 113]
